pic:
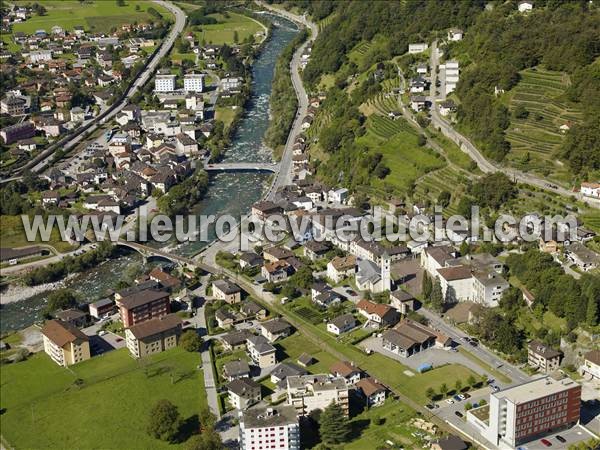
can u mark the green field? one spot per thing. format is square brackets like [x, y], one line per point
[223, 32]
[12, 235]
[542, 93]
[97, 15]
[397, 141]
[46, 409]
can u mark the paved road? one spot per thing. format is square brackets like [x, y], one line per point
[514, 373]
[484, 164]
[143, 77]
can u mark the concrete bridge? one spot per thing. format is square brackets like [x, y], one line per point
[242, 167]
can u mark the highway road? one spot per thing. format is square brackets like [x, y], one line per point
[45, 158]
[484, 164]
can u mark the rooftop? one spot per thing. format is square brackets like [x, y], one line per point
[538, 388]
[269, 417]
[156, 326]
[61, 333]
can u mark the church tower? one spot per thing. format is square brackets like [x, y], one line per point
[386, 283]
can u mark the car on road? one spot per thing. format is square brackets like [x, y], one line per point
[546, 443]
[459, 414]
[450, 401]
[559, 438]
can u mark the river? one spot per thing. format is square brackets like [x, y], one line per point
[227, 194]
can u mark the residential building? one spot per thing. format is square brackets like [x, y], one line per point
[164, 83]
[402, 301]
[153, 336]
[261, 351]
[276, 271]
[314, 250]
[310, 392]
[456, 282]
[275, 329]
[13, 106]
[284, 370]
[455, 34]
[264, 209]
[37, 56]
[371, 391]
[590, 189]
[543, 357]
[251, 310]
[591, 365]
[102, 308]
[234, 370]
[277, 425]
[231, 84]
[65, 343]
[341, 324]
[417, 48]
[72, 316]
[488, 288]
[227, 291]
[525, 6]
[235, 340]
[408, 338]
[584, 258]
[14, 133]
[243, 393]
[373, 278]
[250, 259]
[529, 411]
[193, 82]
[142, 306]
[341, 267]
[347, 370]
[378, 314]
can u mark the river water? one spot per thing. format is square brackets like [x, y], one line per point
[227, 194]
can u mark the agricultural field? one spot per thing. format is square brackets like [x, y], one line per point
[363, 54]
[432, 184]
[397, 142]
[38, 395]
[536, 139]
[223, 32]
[93, 15]
[13, 235]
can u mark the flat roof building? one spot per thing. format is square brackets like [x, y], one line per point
[277, 425]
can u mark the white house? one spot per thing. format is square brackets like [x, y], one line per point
[193, 82]
[525, 6]
[591, 365]
[338, 195]
[590, 189]
[341, 324]
[417, 48]
[455, 34]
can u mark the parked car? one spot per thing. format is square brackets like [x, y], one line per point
[450, 401]
[459, 414]
[546, 443]
[457, 398]
[559, 438]
[461, 396]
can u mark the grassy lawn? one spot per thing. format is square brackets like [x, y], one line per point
[293, 346]
[226, 114]
[393, 418]
[12, 234]
[109, 410]
[224, 358]
[223, 32]
[98, 15]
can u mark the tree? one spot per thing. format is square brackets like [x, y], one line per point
[471, 381]
[591, 316]
[164, 421]
[426, 286]
[521, 112]
[430, 393]
[61, 299]
[443, 389]
[207, 440]
[190, 341]
[421, 140]
[458, 386]
[207, 419]
[303, 278]
[333, 425]
[120, 2]
[437, 296]
[236, 36]
[444, 198]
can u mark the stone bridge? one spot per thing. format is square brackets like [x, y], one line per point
[242, 167]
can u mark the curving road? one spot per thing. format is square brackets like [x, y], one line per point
[484, 164]
[45, 158]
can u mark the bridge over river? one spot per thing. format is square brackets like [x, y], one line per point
[242, 167]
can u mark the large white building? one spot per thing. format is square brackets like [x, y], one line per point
[529, 411]
[164, 83]
[309, 392]
[590, 189]
[273, 428]
[193, 82]
[40, 55]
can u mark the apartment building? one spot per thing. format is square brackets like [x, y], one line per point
[543, 357]
[193, 82]
[164, 83]
[153, 336]
[275, 428]
[309, 392]
[142, 306]
[227, 291]
[16, 132]
[261, 351]
[65, 343]
[529, 411]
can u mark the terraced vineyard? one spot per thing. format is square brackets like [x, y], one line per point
[446, 179]
[536, 140]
